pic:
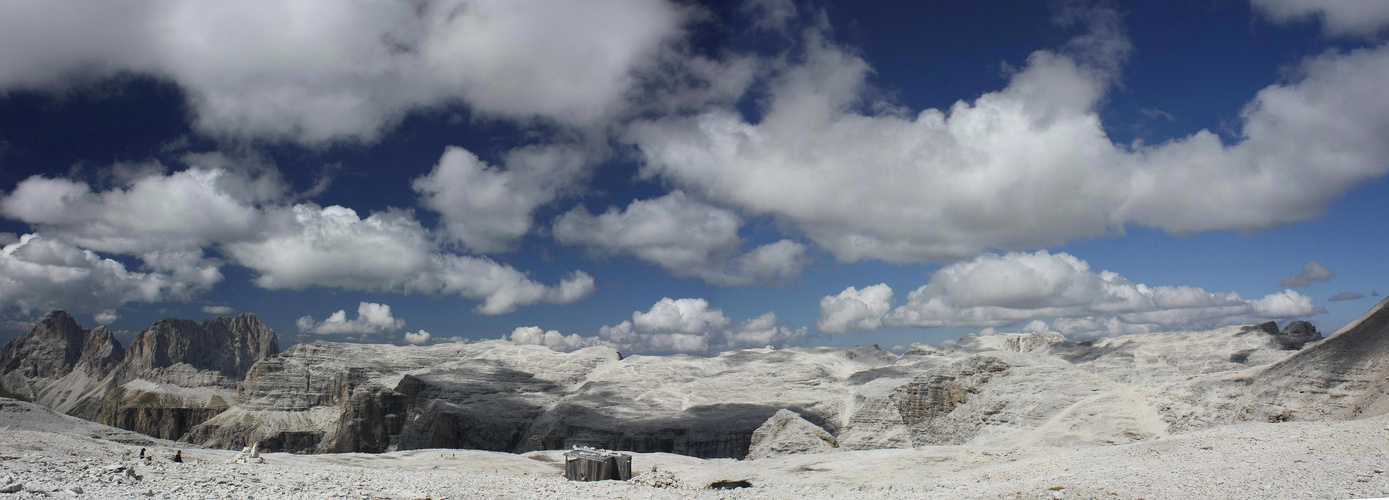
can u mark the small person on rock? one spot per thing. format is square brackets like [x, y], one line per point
[178, 456]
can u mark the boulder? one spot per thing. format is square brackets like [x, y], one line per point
[786, 433]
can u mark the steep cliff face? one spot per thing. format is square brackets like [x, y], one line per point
[50, 350]
[326, 397]
[178, 374]
[101, 352]
[174, 375]
[498, 396]
[225, 345]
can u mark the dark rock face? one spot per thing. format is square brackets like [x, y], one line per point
[84, 373]
[705, 431]
[50, 350]
[926, 403]
[226, 345]
[101, 352]
[150, 414]
[1270, 328]
[1295, 335]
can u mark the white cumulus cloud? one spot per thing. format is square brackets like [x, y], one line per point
[1026, 166]
[106, 317]
[1000, 290]
[689, 325]
[486, 208]
[186, 209]
[169, 220]
[1337, 17]
[534, 335]
[218, 310]
[854, 309]
[416, 338]
[388, 251]
[40, 273]
[316, 71]
[371, 318]
[686, 237]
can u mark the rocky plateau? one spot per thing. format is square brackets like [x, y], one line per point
[224, 384]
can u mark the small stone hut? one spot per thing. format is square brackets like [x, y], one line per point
[591, 464]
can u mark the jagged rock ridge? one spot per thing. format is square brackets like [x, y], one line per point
[174, 375]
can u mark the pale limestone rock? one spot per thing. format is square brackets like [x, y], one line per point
[786, 433]
[1003, 390]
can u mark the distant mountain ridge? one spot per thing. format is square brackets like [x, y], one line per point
[88, 373]
[223, 383]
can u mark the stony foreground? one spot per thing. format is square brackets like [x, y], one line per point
[43, 454]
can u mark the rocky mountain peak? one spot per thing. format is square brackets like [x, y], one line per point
[1295, 335]
[49, 350]
[253, 340]
[222, 344]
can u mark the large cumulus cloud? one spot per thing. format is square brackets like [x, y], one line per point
[317, 71]
[486, 207]
[39, 274]
[371, 318]
[169, 220]
[1001, 290]
[1026, 166]
[684, 236]
[388, 251]
[1337, 17]
[688, 325]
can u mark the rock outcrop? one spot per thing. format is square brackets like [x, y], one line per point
[1295, 335]
[786, 433]
[499, 396]
[174, 375]
[1342, 377]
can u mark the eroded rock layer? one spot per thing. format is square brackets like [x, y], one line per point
[173, 376]
[997, 390]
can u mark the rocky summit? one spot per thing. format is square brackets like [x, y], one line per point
[221, 384]
[174, 374]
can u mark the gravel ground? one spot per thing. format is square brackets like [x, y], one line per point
[1287, 460]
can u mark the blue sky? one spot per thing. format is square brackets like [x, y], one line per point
[692, 177]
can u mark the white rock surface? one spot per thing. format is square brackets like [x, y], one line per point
[1333, 459]
[1034, 389]
[786, 433]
